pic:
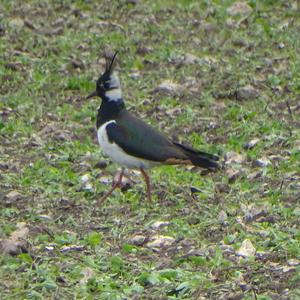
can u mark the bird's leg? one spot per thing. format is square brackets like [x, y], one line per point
[114, 186]
[147, 180]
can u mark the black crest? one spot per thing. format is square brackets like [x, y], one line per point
[104, 81]
[110, 63]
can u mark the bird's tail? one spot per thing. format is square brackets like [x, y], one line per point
[199, 158]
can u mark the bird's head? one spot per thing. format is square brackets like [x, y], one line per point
[108, 85]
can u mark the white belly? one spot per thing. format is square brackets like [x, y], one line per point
[117, 154]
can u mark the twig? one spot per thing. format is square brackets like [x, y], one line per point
[289, 108]
[281, 184]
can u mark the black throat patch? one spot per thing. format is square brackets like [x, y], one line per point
[109, 110]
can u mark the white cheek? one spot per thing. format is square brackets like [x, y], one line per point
[114, 95]
[114, 81]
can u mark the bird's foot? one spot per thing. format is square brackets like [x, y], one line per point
[117, 181]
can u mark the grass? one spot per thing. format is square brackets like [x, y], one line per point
[51, 53]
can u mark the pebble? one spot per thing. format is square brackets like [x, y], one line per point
[247, 93]
[261, 163]
[138, 240]
[158, 224]
[239, 8]
[168, 87]
[251, 144]
[234, 158]
[13, 196]
[160, 241]
[247, 249]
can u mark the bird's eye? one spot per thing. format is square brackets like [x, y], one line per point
[100, 85]
[107, 84]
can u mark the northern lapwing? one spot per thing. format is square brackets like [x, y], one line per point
[129, 141]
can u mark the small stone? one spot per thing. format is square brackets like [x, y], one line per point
[29, 24]
[190, 59]
[71, 248]
[62, 135]
[16, 243]
[105, 179]
[142, 50]
[264, 233]
[247, 93]
[49, 248]
[133, 2]
[168, 87]
[286, 269]
[45, 217]
[160, 241]
[230, 22]
[13, 196]
[77, 64]
[193, 220]
[4, 166]
[223, 188]
[208, 60]
[234, 158]
[2, 30]
[239, 220]
[293, 262]
[232, 296]
[251, 144]
[295, 186]
[253, 212]
[295, 6]
[87, 273]
[267, 219]
[255, 175]
[101, 24]
[84, 166]
[58, 22]
[261, 163]
[212, 125]
[227, 249]
[239, 8]
[276, 158]
[138, 240]
[85, 178]
[232, 174]
[88, 187]
[16, 23]
[173, 112]
[11, 66]
[102, 164]
[222, 217]
[135, 75]
[159, 224]
[49, 128]
[247, 249]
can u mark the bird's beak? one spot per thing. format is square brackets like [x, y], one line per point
[93, 94]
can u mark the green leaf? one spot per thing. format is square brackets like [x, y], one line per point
[148, 278]
[168, 274]
[93, 239]
[116, 264]
[25, 257]
[129, 248]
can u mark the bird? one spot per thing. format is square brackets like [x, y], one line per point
[131, 142]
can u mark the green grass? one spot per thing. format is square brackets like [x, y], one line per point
[48, 142]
